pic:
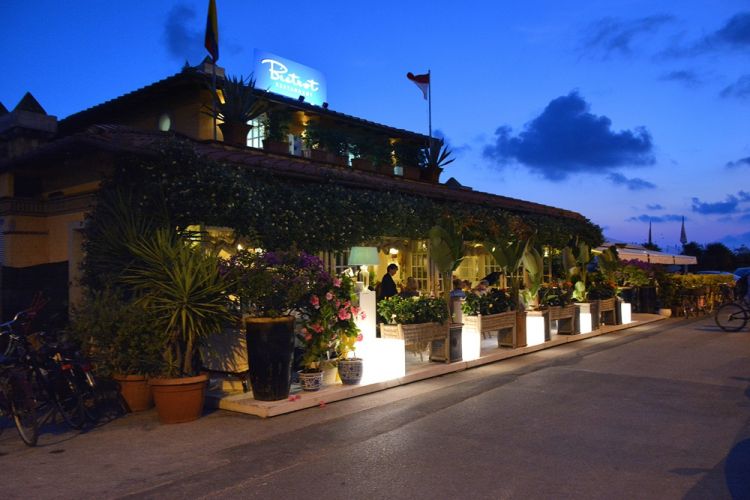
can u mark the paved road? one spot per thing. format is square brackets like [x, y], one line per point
[659, 411]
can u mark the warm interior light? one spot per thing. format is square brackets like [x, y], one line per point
[363, 257]
[240, 247]
[393, 251]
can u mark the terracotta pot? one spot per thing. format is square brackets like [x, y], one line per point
[235, 133]
[179, 399]
[135, 391]
[278, 147]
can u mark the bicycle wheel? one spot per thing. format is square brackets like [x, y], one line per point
[731, 317]
[26, 423]
[69, 402]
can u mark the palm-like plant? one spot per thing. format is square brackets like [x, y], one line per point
[534, 266]
[239, 101]
[183, 287]
[575, 261]
[437, 155]
[508, 254]
[447, 252]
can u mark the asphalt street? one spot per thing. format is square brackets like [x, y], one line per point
[657, 411]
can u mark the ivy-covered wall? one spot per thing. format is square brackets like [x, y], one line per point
[276, 212]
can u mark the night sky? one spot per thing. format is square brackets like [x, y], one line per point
[625, 111]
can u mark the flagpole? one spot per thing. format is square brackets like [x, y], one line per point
[214, 97]
[429, 104]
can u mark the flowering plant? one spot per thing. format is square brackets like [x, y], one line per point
[494, 302]
[556, 294]
[412, 310]
[329, 328]
[275, 284]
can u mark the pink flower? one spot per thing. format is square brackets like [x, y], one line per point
[355, 310]
[317, 328]
[315, 301]
[336, 282]
[329, 296]
[347, 303]
[344, 314]
[308, 336]
[360, 337]
[363, 315]
[338, 303]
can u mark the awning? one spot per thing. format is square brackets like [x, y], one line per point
[634, 252]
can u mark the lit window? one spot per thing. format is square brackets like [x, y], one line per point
[257, 133]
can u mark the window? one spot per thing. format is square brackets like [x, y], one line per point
[257, 133]
[418, 265]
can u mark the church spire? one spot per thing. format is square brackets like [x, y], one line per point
[683, 236]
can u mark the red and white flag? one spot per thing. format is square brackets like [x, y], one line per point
[421, 81]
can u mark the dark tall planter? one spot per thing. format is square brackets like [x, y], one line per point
[270, 345]
[647, 299]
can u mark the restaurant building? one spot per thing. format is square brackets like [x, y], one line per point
[51, 171]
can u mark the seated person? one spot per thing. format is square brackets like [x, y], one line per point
[457, 292]
[466, 286]
[482, 288]
[410, 289]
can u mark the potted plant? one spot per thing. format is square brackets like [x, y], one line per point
[408, 157]
[576, 258]
[557, 298]
[181, 286]
[533, 276]
[492, 312]
[326, 143]
[271, 287]
[417, 321]
[372, 152]
[436, 158]
[447, 252]
[329, 330]
[235, 104]
[508, 254]
[119, 337]
[277, 123]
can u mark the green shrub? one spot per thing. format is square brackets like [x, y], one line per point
[494, 302]
[412, 310]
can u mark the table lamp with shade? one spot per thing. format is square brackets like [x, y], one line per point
[363, 257]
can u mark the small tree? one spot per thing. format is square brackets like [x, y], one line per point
[447, 251]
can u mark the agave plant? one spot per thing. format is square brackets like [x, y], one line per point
[238, 101]
[437, 155]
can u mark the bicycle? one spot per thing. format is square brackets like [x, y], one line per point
[733, 317]
[16, 395]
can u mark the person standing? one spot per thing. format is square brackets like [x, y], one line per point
[387, 285]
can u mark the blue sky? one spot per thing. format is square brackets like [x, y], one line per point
[625, 111]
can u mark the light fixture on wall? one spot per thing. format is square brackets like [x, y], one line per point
[363, 257]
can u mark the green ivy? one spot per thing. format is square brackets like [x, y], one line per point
[278, 213]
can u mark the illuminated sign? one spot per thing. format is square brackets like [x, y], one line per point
[282, 76]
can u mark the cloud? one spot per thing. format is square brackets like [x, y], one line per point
[655, 218]
[609, 36]
[686, 77]
[654, 206]
[566, 138]
[743, 196]
[634, 184]
[720, 207]
[735, 33]
[736, 240]
[181, 40]
[739, 89]
[742, 162]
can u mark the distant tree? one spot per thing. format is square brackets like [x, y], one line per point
[742, 256]
[696, 250]
[652, 246]
[717, 256]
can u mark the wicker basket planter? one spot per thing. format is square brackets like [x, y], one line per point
[503, 323]
[419, 337]
[607, 311]
[566, 319]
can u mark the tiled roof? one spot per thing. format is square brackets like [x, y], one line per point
[194, 78]
[121, 139]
